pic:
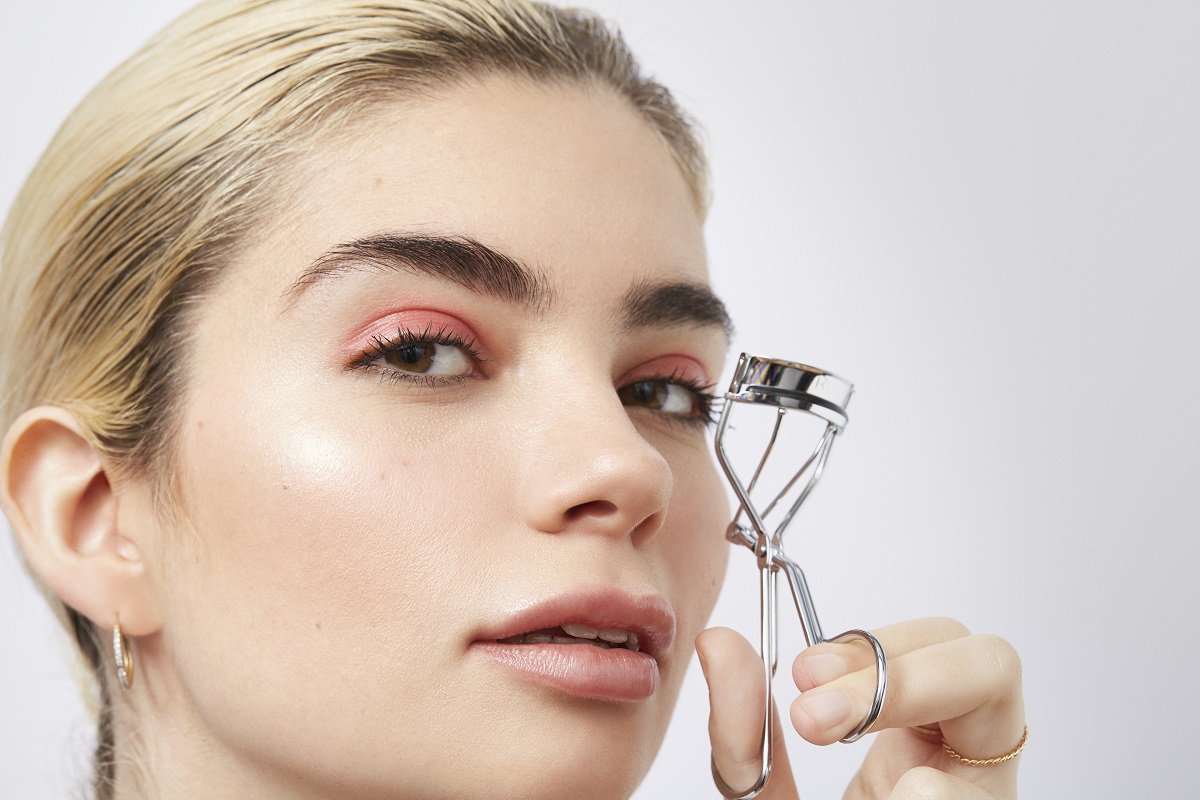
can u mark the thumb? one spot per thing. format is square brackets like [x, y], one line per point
[736, 694]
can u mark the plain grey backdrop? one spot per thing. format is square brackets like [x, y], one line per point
[986, 215]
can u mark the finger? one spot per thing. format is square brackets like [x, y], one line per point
[926, 783]
[825, 662]
[737, 694]
[969, 686]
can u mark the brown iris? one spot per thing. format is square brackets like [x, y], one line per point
[412, 357]
[648, 394]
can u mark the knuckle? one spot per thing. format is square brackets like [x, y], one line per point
[1003, 658]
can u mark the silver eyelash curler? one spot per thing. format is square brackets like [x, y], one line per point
[786, 386]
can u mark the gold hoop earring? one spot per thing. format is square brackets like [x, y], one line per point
[122, 655]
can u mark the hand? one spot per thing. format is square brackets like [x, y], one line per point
[938, 675]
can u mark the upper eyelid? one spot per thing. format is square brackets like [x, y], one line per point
[677, 363]
[419, 320]
[701, 384]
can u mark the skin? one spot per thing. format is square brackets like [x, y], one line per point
[354, 532]
[304, 627]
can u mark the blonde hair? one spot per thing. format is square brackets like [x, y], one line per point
[159, 175]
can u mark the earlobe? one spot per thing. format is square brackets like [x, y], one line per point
[63, 508]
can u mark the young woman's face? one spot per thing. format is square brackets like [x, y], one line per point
[448, 399]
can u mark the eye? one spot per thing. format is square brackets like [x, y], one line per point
[674, 398]
[429, 357]
[670, 398]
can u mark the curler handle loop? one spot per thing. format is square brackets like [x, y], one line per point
[813, 635]
[864, 727]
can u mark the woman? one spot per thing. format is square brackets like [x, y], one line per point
[358, 365]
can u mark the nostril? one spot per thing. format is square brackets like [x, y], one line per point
[592, 508]
[647, 528]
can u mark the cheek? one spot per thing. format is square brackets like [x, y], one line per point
[292, 502]
[320, 549]
[697, 552]
[323, 543]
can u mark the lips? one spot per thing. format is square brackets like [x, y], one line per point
[579, 633]
[600, 644]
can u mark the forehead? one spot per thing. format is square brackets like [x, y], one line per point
[565, 177]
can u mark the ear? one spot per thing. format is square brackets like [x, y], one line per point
[63, 509]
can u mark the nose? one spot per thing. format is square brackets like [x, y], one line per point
[589, 470]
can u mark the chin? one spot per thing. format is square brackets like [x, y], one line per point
[561, 776]
[565, 748]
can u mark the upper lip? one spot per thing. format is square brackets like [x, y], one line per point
[648, 615]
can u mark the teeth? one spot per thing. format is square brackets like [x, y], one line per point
[581, 634]
[581, 631]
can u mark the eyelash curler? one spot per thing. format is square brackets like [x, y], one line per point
[785, 386]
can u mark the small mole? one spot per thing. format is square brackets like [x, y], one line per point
[378, 181]
[285, 487]
[318, 626]
[199, 423]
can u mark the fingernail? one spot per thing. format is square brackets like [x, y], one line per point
[828, 709]
[824, 667]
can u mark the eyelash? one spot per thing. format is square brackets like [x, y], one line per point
[382, 347]
[707, 402]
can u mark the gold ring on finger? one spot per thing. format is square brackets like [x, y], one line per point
[988, 762]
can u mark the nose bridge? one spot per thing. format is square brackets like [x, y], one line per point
[587, 467]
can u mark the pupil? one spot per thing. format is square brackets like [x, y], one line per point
[648, 393]
[412, 353]
[414, 356]
[654, 394]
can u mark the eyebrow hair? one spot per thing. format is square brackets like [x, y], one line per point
[650, 304]
[475, 266]
[459, 259]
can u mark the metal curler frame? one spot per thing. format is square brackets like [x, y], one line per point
[787, 386]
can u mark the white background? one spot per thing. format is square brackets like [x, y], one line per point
[988, 217]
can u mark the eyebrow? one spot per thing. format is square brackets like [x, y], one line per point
[458, 259]
[475, 266]
[674, 303]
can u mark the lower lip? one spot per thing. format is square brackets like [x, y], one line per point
[581, 670]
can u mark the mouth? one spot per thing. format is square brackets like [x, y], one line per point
[579, 633]
[599, 645]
